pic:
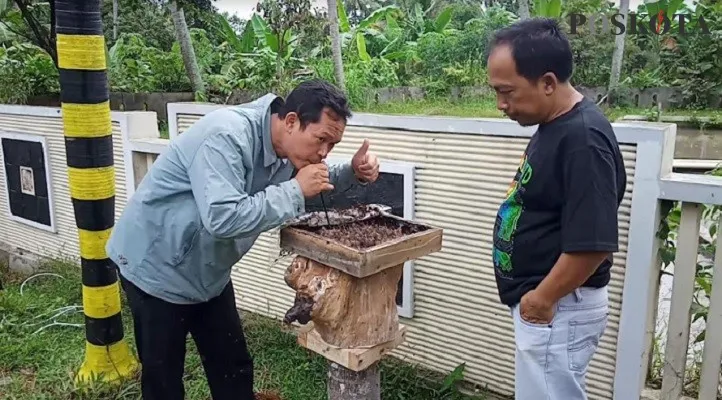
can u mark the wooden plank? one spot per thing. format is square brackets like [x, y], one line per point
[361, 263]
[401, 250]
[685, 263]
[321, 249]
[356, 359]
[710, 376]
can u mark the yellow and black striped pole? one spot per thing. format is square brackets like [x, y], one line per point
[91, 177]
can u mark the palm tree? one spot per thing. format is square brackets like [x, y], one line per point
[618, 53]
[524, 9]
[115, 19]
[336, 43]
[186, 47]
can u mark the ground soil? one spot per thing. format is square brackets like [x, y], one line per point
[268, 396]
[368, 233]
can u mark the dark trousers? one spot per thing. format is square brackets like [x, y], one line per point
[160, 335]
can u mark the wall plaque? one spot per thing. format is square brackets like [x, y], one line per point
[27, 179]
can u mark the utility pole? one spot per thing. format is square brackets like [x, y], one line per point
[85, 106]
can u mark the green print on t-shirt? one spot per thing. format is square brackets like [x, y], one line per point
[509, 213]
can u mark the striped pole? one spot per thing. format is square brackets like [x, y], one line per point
[85, 106]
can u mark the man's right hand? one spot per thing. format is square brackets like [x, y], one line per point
[313, 179]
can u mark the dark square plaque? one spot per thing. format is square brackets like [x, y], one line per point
[26, 177]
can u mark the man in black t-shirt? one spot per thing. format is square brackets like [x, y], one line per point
[557, 228]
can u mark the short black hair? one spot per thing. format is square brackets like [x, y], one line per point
[309, 99]
[538, 46]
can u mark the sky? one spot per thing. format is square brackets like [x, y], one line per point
[244, 8]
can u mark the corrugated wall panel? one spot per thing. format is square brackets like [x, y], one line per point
[460, 182]
[64, 242]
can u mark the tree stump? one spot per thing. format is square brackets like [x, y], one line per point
[346, 276]
[347, 312]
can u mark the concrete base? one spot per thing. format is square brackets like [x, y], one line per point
[654, 394]
[4, 256]
[18, 260]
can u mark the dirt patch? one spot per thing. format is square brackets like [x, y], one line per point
[368, 233]
[268, 396]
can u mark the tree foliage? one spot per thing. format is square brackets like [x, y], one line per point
[434, 44]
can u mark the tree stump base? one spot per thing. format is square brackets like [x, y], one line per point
[345, 384]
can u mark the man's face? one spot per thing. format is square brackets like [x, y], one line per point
[521, 100]
[311, 145]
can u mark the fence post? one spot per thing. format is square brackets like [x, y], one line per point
[654, 160]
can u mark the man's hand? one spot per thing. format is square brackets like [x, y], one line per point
[535, 309]
[313, 179]
[365, 165]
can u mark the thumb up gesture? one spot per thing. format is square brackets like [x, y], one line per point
[365, 165]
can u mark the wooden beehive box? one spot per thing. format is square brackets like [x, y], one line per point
[416, 241]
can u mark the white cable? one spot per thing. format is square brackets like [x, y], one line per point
[64, 311]
[59, 311]
[36, 275]
[55, 323]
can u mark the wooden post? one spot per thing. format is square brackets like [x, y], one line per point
[346, 384]
[346, 298]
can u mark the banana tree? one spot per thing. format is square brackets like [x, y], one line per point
[419, 22]
[660, 9]
[373, 26]
[282, 44]
[240, 53]
[404, 38]
[666, 7]
[548, 8]
[244, 44]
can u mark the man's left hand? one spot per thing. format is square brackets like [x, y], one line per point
[535, 309]
[365, 165]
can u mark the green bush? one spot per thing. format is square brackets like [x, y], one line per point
[360, 76]
[402, 46]
[26, 71]
[438, 50]
[137, 67]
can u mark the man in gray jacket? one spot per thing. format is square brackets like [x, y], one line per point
[201, 207]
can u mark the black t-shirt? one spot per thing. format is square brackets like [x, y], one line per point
[563, 198]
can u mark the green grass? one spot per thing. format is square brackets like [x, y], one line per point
[42, 365]
[486, 108]
[473, 107]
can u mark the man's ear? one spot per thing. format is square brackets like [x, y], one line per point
[549, 83]
[290, 121]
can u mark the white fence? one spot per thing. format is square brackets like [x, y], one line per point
[455, 173]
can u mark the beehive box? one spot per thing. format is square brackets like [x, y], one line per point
[363, 247]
